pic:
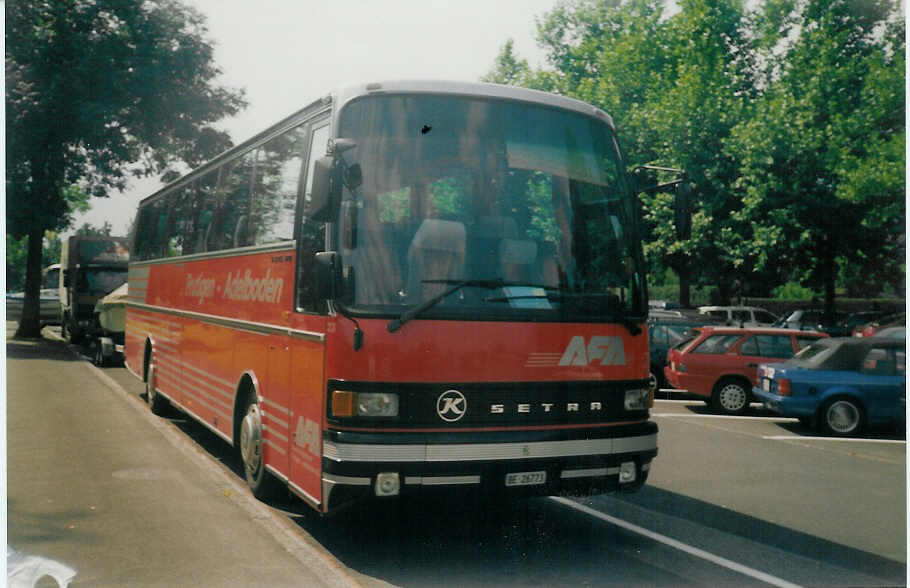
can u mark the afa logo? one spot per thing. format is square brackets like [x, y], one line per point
[599, 350]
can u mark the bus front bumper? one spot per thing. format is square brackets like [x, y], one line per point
[524, 463]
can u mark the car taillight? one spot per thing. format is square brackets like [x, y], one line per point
[783, 387]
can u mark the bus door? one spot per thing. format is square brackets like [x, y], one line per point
[307, 407]
[308, 345]
[276, 405]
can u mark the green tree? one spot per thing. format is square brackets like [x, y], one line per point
[788, 120]
[677, 85]
[822, 159]
[97, 90]
[509, 68]
[16, 253]
[17, 248]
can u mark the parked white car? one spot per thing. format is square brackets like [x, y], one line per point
[740, 316]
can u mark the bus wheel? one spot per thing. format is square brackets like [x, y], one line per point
[263, 484]
[157, 403]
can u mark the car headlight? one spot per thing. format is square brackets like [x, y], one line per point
[364, 404]
[638, 399]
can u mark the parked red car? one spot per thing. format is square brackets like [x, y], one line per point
[720, 363]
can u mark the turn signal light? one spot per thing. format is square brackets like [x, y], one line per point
[783, 387]
[342, 403]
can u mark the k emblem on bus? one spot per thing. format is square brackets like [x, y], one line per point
[451, 405]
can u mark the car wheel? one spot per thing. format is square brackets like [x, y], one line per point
[842, 417]
[730, 397]
[157, 403]
[263, 484]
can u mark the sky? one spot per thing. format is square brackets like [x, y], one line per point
[287, 53]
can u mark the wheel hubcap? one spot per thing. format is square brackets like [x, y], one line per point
[842, 417]
[251, 439]
[732, 397]
[150, 385]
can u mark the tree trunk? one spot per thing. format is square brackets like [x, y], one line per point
[829, 271]
[682, 271]
[30, 324]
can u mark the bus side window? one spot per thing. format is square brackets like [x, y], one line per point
[143, 238]
[230, 223]
[204, 203]
[181, 225]
[276, 186]
[158, 246]
[311, 237]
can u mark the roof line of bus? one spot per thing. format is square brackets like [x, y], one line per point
[347, 94]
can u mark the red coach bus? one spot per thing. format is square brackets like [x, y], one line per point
[405, 285]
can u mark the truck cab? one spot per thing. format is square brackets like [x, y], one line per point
[92, 267]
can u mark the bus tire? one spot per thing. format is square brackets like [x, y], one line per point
[263, 485]
[157, 403]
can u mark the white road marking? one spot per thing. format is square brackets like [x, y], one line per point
[854, 439]
[724, 416]
[694, 551]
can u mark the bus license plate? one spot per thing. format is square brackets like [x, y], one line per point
[526, 478]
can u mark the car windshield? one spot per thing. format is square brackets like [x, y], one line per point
[517, 209]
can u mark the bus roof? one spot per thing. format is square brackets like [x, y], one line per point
[468, 89]
[347, 94]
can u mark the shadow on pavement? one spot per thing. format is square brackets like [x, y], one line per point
[663, 504]
[38, 348]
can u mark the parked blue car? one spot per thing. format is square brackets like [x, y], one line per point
[840, 385]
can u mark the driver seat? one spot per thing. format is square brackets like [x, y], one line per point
[437, 252]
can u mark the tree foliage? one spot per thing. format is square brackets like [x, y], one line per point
[96, 91]
[788, 120]
[822, 159]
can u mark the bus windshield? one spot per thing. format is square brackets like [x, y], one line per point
[496, 208]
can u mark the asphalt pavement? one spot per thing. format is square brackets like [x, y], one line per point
[123, 498]
[98, 484]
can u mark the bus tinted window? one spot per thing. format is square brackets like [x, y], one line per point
[275, 188]
[233, 195]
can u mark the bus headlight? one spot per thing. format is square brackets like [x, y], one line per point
[638, 399]
[377, 404]
[364, 404]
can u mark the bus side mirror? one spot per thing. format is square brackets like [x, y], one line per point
[328, 275]
[682, 210]
[326, 190]
[66, 278]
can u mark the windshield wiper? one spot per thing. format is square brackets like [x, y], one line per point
[457, 285]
